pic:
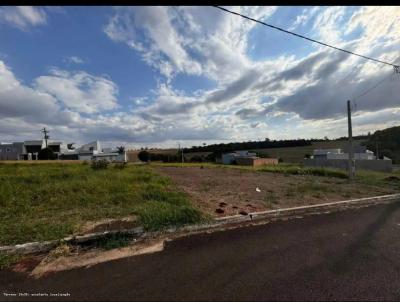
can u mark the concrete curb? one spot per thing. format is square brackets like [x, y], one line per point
[138, 232]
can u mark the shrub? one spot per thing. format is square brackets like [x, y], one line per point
[46, 154]
[144, 156]
[120, 166]
[197, 159]
[99, 164]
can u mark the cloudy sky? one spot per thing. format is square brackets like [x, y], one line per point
[153, 76]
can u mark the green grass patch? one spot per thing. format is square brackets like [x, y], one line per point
[6, 260]
[155, 215]
[50, 201]
[299, 170]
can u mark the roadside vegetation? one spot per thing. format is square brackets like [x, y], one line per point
[51, 201]
[7, 260]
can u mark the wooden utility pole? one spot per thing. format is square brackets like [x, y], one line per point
[352, 168]
[180, 150]
[46, 137]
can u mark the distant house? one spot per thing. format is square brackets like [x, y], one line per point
[338, 158]
[27, 150]
[245, 158]
[12, 151]
[230, 158]
[360, 152]
[93, 151]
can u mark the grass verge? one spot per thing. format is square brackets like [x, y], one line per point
[6, 260]
[50, 201]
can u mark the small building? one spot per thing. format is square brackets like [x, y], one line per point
[336, 158]
[12, 151]
[27, 150]
[93, 151]
[229, 158]
[360, 152]
[246, 158]
[256, 161]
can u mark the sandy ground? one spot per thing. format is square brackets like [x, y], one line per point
[224, 191]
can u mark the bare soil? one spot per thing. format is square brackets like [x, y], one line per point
[223, 191]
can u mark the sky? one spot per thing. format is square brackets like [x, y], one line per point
[154, 76]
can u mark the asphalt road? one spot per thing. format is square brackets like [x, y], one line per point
[350, 255]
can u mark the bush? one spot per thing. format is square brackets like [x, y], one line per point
[120, 166]
[99, 164]
[197, 159]
[46, 154]
[144, 156]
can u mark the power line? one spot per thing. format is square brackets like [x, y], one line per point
[373, 87]
[396, 67]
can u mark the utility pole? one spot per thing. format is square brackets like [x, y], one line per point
[377, 153]
[181, 151]
[352, 168]
[46, 137]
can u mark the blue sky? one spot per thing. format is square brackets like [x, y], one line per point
[153, 76]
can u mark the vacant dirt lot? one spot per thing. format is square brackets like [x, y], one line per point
[224, 191]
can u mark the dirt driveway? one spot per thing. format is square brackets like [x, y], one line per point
[225, 191]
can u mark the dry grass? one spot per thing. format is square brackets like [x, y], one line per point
[236, 188]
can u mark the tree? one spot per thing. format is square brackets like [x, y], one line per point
[121, 149]
[46, 154]
[144, 156]
[70, 146]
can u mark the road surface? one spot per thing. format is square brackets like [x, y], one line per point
[350, 255]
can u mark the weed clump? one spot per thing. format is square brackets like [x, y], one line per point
[101, 164]
[120, 166]
[155, 215]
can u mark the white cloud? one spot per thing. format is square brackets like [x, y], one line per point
[74, 60]
[17, 100]
[22, 17]
[80, 91]
[162, 39]
[190, 40]
[326, 24]
[304, 18]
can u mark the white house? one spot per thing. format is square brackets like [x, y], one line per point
[360, 152]
[93, 151]
[229, 158]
